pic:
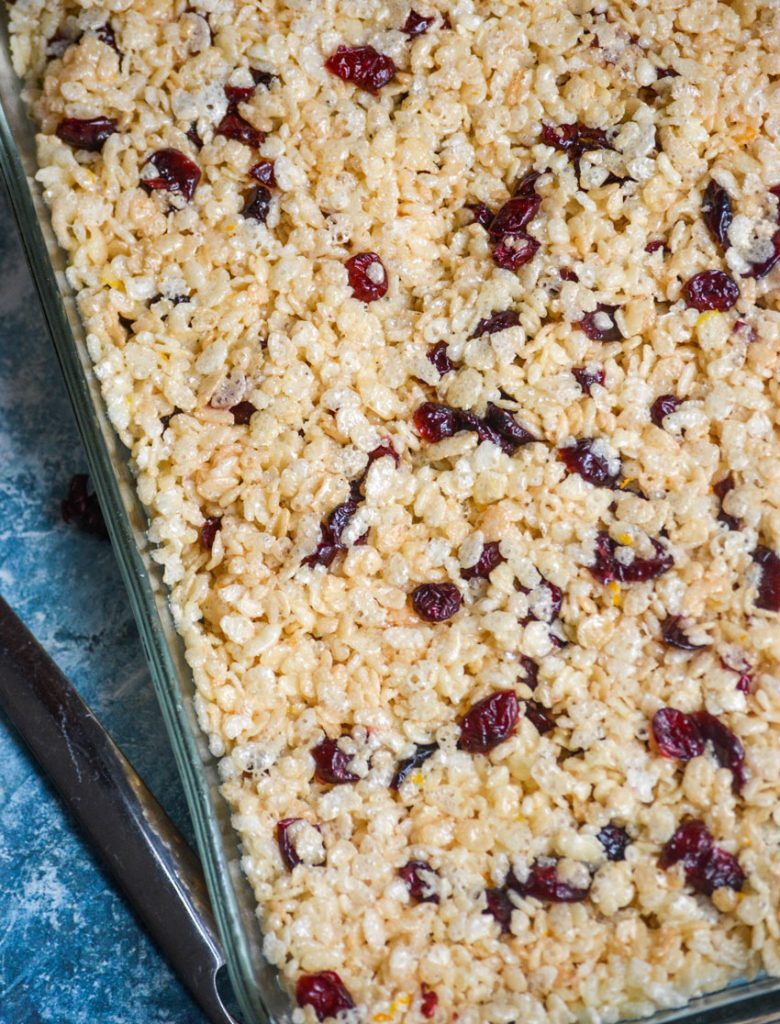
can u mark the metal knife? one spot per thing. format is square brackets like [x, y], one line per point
[136, 840]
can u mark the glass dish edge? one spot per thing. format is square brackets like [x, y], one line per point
[254, 980]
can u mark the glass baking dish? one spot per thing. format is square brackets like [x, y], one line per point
[257, 990]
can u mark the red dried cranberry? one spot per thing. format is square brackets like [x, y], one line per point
[385, 449]
[263, 171]
[487, 562]
[193, 136]
[325, 993]
[526, 186]
[175, 173]
[416, 24]
[614, 839]
[567, 274]
[82, 509]
[740, 665]
[674, 635]
[654, 245]
[587, 376]
[419, 757]
[574, 139]
[243, 413]
[717, 213]
[515, 251]
[234, 125]
[496, 322]
[417, 874]
[363, 286]
[329, 545]
[539, 717]
[554, 600]
[691, 844]
[769, 583]
[514, 215]
[530, 672]
[331, 763]
[711, 289]
[728, 749]
[759, 270]
[437, 354]
[676, 734]
[286, 848]
[86, 133]
[720, 870]
[429, 1001]
[744, 331]
[543, 884]
[581, 458]
[663, 406]
[436, 602]
[208, 532]
[481, 213]
[720, 490]
[434, 422]
[512, 435]
[238, 94]
[595, 330]
[364, 66]
[499, 905]
[257, 205]
[606, 568]
[489, 722]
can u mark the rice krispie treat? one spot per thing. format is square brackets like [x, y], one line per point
[444, 340]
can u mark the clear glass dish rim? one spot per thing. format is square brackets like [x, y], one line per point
[261, 998]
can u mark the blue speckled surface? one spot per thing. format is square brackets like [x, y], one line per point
[70, 950]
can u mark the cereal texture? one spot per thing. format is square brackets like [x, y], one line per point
[250, 386]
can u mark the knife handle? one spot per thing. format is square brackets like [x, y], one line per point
[136, 840]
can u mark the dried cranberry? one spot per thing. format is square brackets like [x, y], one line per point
[434, 422]
[489, 722]
[429, 1001]
[286, 848]
[414, 874]
[208, 532]
[243, 413]
[82, 509]
[526, 186]
[676, 734]
[530, 672]
[515, 251]
[583, 459]
[234, 125]
[594, 327]
[539, 717]
[499, 905]
[86, 133]
[436, 602]
[257, 205]
[364, 66]
[712, 289]
[329, 545]
[741, 666]
[385, 449]
[512, 435]
[674, 635]
[720, 490]
[514, 215]
[727, 747]
[744, 331]
[717, 213]
[552, 602]
[574, 139]
[614, 839]
[193, 136]
[238, 94]
[567, 274]
[490, 558]
[691, 844]
[363, 285]
[175, 173]
[769, 583]
[720, 870]
[607, 569]
[419, 757]
[325, 993]
[587, 376]
[663, 406]
[263, 171]
[654, 245]
[331, 763]
[496, 322]
[416, 24]
[759, 270]
[481, 213]
[437, 354]
[543, 884]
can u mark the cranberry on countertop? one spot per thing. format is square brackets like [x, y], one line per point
[257, 205]
[674, 635]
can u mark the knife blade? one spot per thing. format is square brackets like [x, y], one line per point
[136, 840]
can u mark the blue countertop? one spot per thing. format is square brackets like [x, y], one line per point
[71, 951]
